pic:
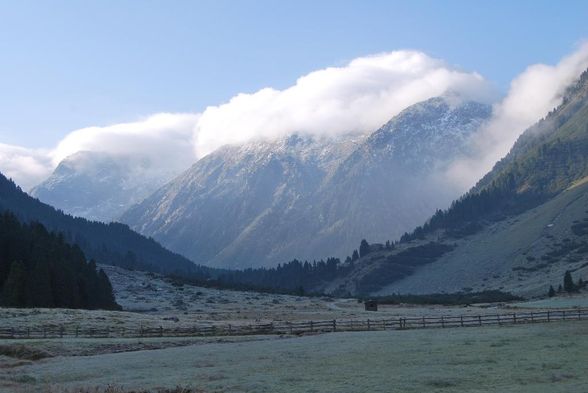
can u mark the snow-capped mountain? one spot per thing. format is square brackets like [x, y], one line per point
[392, 182]
[239, 206]
[100, 186]
[263, 203]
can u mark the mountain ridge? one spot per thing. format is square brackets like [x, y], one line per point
[519, 227]
[100, 186]
[264, 203]
[112, 243]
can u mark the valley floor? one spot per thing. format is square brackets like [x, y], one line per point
[530, 358]
[549, 357]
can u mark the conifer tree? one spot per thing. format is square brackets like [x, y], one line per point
[364, 248]
[13, 294]
[39, 269]
[568, 282]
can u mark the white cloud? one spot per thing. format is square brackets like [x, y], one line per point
[166, 139]
[356, 98]
[531, 96]
[26, 167]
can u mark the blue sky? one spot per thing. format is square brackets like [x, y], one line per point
[70, 64]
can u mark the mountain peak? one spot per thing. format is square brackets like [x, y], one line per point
[99, 185]
[305, 196]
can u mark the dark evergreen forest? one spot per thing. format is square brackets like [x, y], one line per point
[110, 244]
[40, 269]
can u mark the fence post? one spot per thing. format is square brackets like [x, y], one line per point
[77, 331]
[532, 317]
[563, 315]
[12, 332]
[141, 331]
[160, 331]
[548, 316]
[579, 317]
[461, 320]
[28, 332]
[514, 318]
[479, 320]
[290, 323]
[311, 327]
[61, 331]
[369, 327]
[498, 319]
[424, 323]
[334, 325]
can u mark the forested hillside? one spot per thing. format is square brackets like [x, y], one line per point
[112, 244]
[39, 269]
[517, 228]
[544, 161]
[291, 277]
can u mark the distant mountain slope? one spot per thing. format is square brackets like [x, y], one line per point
[244, 205]
[113, 243]
[391, 181]
[519, 228]
[266, 203]
[100, 186]
[524, 254]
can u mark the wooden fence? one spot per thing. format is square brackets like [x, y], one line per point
[302, 327]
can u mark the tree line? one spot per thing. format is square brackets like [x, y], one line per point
[112, 244]
[523, 181]
[40, 269]
[568, 286]
[294, 277]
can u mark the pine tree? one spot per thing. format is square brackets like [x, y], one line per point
[39, 269]
[354, 256]
[568, 282]
[39, 292]
[14, 292]
[551, 292]
[364, 248]
[106, 292]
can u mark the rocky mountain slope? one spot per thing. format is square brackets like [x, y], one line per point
[519, 229]
[241, 205]
[391, 181]
[100, 186]
[267, 202]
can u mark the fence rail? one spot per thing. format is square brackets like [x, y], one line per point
[299, 327]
